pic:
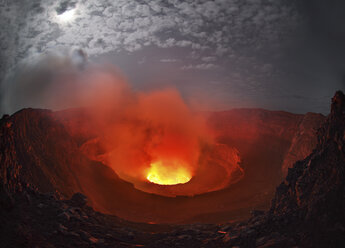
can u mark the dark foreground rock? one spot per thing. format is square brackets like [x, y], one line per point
[308, 210]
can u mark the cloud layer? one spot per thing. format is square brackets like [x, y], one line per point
[248, 46]
[216, 27]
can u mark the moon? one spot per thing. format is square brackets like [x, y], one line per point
[67, 16]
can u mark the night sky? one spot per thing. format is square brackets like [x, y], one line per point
[274, 54]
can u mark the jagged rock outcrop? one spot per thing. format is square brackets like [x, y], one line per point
[31, 140]
[313, 193]
[304, 140]
[308, 207]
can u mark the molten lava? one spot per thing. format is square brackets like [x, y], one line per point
[168, 173]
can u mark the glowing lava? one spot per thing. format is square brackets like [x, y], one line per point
[168, 173]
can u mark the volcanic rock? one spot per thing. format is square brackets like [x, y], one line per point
[78, 200]
[312, 196]
[304, 140]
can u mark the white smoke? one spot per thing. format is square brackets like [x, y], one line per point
[33, 81]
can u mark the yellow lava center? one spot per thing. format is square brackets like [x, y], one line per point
[170, 173]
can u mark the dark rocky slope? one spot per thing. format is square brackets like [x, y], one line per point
[304, 140]
[313, 195]
[308, 207]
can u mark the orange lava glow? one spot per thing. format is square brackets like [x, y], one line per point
[168, 173]
[149, 138]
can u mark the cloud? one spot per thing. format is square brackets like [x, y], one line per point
[132, 25]
[64, 6]
[205, 35]
[169, 60]
[34, 81]
[204, 66]
[209, 59]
